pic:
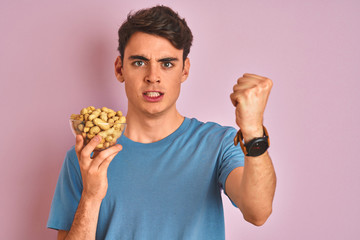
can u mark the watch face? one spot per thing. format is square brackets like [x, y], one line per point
[258, 148]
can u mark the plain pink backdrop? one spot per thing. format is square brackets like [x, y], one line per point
[57, 57]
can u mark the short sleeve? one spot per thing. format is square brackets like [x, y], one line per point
[67, 194]
[231, 157]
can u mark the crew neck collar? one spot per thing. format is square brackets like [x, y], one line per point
[168, 139]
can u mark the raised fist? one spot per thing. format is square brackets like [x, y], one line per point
[250, 96]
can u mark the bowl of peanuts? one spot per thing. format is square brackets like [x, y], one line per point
[105, 122]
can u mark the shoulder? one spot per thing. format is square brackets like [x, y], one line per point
[71, 159]
[209, 126]
[71, 154]
[210, 129]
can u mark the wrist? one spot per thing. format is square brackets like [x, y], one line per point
[90, 200]
[251, 133]
[255, 146]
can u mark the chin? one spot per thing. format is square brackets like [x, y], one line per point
[153, 112]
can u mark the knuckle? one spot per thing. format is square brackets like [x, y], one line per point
[235, 87]
[92, 171]
[262, 84]
[240, 80]
[266, 84]
[248, 91]
[237, 99]
[235, 96]
[106, 162]
[82, 155]
[102, 155]
[82, 167]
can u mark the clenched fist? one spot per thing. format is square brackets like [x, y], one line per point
[250, 96]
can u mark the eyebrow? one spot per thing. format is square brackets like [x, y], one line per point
[166, 59]
[138, 57]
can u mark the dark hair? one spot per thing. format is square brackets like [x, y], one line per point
[161, 21]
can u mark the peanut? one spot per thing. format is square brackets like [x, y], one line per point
[109, 138]
[89, 124]
[104, 122]
[103, 116]
[98, 121]
[94, 130]
[90, 136]
[74, 116]
[80, 127]
[101, 123]
[122, 119]
[111, 114]
[83, 111]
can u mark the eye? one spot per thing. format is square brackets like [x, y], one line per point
[138, 63]
[167, 65]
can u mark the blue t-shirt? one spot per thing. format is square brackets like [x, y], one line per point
[170, 189]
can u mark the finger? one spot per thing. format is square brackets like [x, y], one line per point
[89, 148]
[105, 154]
[251, 75]
[79, 143]
[236, 87]
[243, 86]
[234, 99]
[247, 81]
[95, 154]
[105, 164]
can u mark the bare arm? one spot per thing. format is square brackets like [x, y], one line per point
[95, 184]
[85, 220]
[252, 187]
[62, 234]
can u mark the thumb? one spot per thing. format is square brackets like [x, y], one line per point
[79, 143]
[106, 162]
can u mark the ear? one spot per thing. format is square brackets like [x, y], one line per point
[186, 69]
[118, 69]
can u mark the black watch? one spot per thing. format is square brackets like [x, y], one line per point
[256, 146]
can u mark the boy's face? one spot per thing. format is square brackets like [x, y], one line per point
[152, 70]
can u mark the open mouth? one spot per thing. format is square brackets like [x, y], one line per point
[153, 96]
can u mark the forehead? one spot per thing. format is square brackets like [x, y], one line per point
[151, 46]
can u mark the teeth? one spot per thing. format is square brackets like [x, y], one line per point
[152, 94]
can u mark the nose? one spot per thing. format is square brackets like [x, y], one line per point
[153, 74]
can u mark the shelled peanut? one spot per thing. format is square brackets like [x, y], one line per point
[104, 122]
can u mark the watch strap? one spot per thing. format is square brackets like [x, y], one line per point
[246, 146]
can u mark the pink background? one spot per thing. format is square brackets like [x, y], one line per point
[56, 58]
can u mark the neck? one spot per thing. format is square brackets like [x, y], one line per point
[149, 128]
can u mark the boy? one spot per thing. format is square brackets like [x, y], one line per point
[167, 171]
